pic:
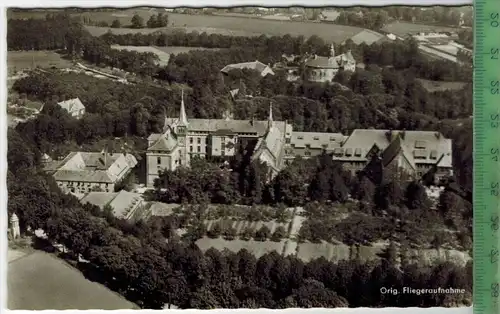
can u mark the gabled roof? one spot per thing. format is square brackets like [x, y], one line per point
[395, 149]
[237, 126]
[121, 201]
[255, 65]
[317, 140]
[92, 167]
[419, 147]
[71, 105]
[164, 142]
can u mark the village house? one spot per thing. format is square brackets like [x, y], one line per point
[124, 204]
[183, 139]
[74, 107]
[262, 68]
[324, 69]
[82, 172]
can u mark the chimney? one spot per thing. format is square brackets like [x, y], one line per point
[402, 134]
[438, 135]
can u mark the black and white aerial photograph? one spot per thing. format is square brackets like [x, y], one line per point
[239, 157]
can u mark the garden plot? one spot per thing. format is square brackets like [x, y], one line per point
[255, 225]
[257, 248]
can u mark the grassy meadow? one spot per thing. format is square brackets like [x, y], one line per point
[19, 60]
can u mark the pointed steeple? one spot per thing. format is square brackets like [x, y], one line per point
[182, 116]
[270, 118]
[332, 51]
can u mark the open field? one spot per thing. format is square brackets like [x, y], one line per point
[437, 86]
[40, 281]
[18, 60]
[401, 29]
[228, 25]
[239, 26]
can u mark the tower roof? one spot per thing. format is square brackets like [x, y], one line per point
[182, 116]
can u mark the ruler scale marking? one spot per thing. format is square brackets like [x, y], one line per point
[486, 190]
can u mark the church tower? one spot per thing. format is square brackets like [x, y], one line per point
[181, 132]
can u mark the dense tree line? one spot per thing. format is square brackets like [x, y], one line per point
[145, 268]
[50, 33]
[368, 19]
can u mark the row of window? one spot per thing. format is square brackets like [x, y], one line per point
[198, 140]
[82, 184]
[316, 138]
[198, 149]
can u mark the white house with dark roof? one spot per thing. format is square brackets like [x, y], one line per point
[183, 139]
[74, 107]
[324, 69]
[82, 172]
[258, 66]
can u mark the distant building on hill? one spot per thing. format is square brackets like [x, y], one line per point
[125, 205]
[74, 107]
[324, 69]
[262, 68]
[82, 172]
